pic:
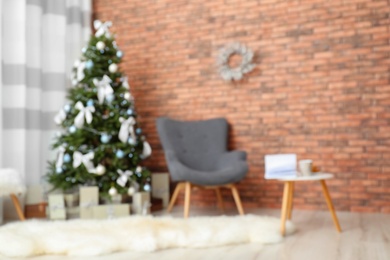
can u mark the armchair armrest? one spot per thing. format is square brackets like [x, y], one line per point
[231, 157]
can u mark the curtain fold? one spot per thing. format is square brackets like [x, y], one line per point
[40, 39]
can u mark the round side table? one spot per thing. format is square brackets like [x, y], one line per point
[288, 195]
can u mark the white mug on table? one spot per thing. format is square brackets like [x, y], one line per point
[305, 167]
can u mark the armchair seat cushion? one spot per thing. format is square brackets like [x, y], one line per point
[232, 172]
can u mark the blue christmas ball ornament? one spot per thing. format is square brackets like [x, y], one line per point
[101, 51]
[84, 49]
[119, 54]
[72, 129]
[110, 98]
[89, 64]
[105, 138]
[138, 130]
[124, 102]
[129, 111]
[130, 155]
[58, 170]
[131, 141]
[146, 187]
[109, 61]
[90, 103]
[67, 158]
[67, 108]
[120, 154]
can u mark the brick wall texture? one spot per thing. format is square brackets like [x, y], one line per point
[321, 87]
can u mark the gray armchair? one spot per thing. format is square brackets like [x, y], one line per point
[196, 154]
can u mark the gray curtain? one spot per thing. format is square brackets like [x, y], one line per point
[39, 41]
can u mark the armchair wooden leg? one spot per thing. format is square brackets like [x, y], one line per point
[220, 199]
[237, 199]
[179, 186]
[187, 199]
[17, 206]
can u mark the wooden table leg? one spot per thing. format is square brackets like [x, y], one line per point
[17, 206]
[285, 203]
[290, 200]
[187, 199]
[330, 205]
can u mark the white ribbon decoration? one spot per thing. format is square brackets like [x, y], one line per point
[102, 28]
[80, 71]
[145, 208]
[86, 159]
[110, 212]
[85, 112]
[124, 177]
[87, 204]
[104, 88]
[125, 83]
[127, 127]
[60, 157]
[60, 117]
[147, 150]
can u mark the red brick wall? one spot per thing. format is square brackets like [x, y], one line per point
[320, 89]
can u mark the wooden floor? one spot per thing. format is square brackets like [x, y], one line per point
[364, 237]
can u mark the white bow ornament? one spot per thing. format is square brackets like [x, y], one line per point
[86, 159]
[147, 150]
[124, 177]
[102, 28]
[80, 71]
[125, 82]
[60, 117]
[85, 112]
[103, 87]
[60, 157]
[127, 127]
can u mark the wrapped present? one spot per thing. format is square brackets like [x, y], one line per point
[1, 209]
[36, 210]
[160, 187]
[71, 199]
[57, 207]
[89, 197]
[141, 203]
[35, 195]
[72, 212]
[111, 211]
[157, 204]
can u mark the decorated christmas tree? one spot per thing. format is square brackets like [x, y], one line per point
[101, 143]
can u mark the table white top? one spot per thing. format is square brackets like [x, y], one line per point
[314, 177]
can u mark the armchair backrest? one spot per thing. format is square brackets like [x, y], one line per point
[197, 144]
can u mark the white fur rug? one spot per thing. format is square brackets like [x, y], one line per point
[136, 233]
